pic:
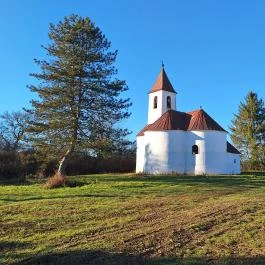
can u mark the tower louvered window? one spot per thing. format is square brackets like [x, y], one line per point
[168, 102]
[155, 102]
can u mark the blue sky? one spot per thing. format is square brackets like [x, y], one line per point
[214, 51]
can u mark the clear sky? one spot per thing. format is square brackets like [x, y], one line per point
[213, 50]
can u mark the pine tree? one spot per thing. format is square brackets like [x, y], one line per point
[80, 100]
[248, 130]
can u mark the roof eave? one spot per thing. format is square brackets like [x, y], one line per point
[150, 92]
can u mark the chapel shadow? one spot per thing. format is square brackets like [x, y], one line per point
[99, 257]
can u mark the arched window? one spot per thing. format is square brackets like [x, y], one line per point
[195, 149]
[168, 102]
[155, 102]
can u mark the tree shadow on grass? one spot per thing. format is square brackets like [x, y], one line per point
[90, 195]
[249, 181]
[106, 258]
[12, 245]
[245, 180]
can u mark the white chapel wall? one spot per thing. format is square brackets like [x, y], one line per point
[164, 151]
[171, 151]
[232, 163]
[211, 158]
[140, 154]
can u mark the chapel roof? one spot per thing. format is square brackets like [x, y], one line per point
[162, 82]
[200, 120]
[190, 121]
[231, 149]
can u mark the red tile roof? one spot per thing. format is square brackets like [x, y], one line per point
[176, 120]
[191, 121]
[231, 149]
[171, 120]
[162, 83]
[141, 133]
[200, 120]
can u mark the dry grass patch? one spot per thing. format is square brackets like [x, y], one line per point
[56, 181]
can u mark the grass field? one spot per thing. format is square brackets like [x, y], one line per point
[129, 219]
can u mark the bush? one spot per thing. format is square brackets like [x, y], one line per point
[29, 163]
[114, 164]
[250, 166]
[55, 181]
[10, 165]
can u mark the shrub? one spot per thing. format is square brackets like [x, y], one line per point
[81, 164]
[55, 181]
[10, 165]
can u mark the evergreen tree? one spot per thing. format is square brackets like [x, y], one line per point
[248, 130]
[80, 99]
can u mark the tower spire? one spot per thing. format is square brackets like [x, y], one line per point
[162, 82]
[162, 97]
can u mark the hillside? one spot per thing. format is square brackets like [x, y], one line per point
[129, 219]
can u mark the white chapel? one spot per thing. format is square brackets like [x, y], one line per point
[182, 142]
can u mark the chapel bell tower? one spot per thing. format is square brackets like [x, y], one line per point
[162, 97]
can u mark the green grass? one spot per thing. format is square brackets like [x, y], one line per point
[129, 219]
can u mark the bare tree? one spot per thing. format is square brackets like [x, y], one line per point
[12, 130]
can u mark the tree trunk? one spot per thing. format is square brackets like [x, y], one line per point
[76, 114]
[63, 162]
